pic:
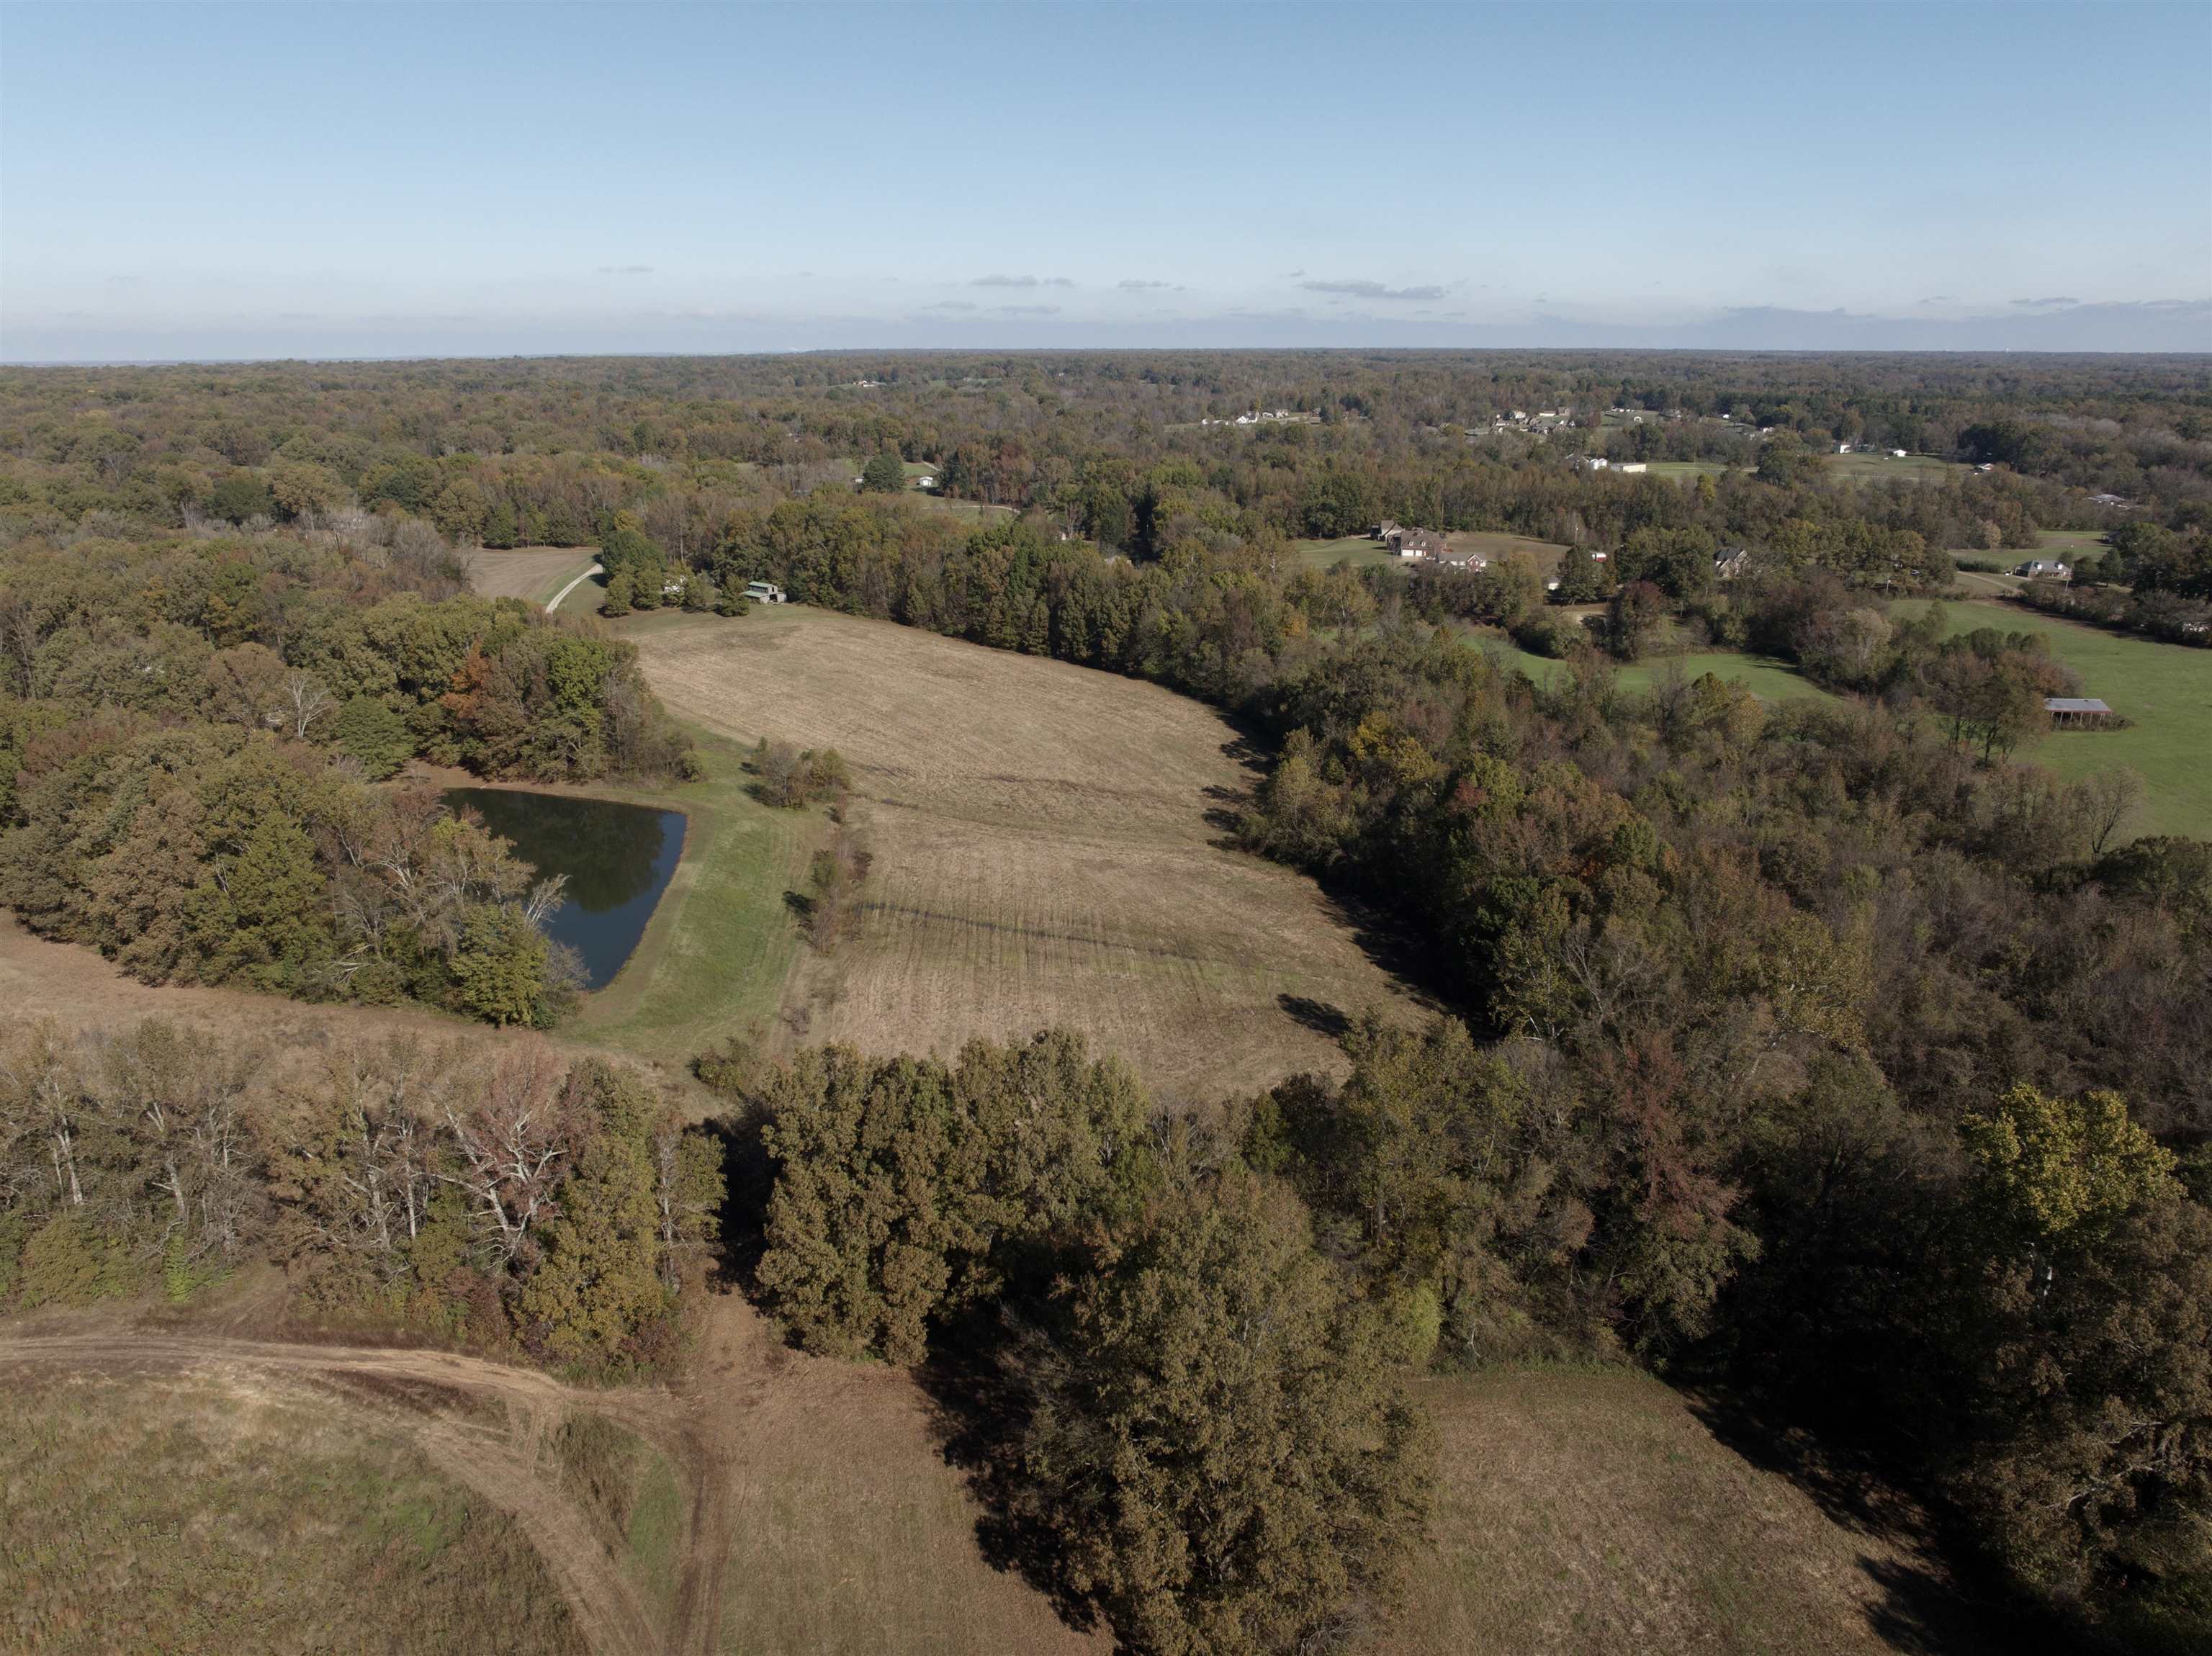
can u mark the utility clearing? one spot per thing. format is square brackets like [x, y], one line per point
[1049, 849]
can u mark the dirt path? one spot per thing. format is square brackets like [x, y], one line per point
[496, 1456]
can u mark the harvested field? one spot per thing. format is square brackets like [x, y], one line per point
[1044, 852]
[536, 572]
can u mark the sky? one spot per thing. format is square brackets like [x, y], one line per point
[183, 181]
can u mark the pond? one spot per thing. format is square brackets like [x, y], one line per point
[617, 858]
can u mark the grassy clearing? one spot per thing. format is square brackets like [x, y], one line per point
[716, 954]
[1592, 1513]
[188, 1516]
[536, 572]
[1045, 852]
[1362, 550]
[1765, 676]
[1678, 470]
[1883, 467]
[2165, 689]
[970, 513]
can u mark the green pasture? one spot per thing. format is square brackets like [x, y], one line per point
[714, 956]
[1883, 467]
[2164, 690]
[1763, 676]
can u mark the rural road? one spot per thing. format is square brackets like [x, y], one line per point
[555, 602]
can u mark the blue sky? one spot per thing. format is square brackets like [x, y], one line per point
[186, 180]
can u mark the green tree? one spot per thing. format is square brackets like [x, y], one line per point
[373, 734]
[597, 1283]
[884, 474]
[1217, 1442]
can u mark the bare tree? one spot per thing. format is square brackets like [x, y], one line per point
[2106, 800]
[306, 702]
[513, 1142]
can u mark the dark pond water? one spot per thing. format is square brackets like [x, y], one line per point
[617, 858]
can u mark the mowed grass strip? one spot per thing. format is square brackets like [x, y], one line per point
[1045, 852]
[2166, 690]
[721, 946]
[1587, 1514]
[184, 1516]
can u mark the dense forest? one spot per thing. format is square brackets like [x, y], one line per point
[1823, 1051]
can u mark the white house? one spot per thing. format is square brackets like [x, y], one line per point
[2043, 569]
[925, 481]
[1631, 465]
[1897, 454]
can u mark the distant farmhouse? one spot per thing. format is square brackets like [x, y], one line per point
[2044, 569]
[1731, 563]
[1403, 543]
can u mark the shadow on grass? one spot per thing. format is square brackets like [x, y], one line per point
[980, 1409]
[1933, 1602]
[1322, 1017]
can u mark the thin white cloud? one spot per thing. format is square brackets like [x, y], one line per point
[2060, 303]
[1020, 282]
[625, 270]
[1362, 290]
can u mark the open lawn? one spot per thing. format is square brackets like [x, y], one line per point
[1361, 549]
[1677, 471]
[2166, 690]
[1045, 845]
[1883, 467]
[973, 513]
[536, 572]
[1764, 676]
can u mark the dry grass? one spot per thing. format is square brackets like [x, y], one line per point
[1044, 852]
[536, 572]
[781, 1505]
[1593, 1513]
[202, 1514]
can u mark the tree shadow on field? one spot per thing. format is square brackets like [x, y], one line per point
[980, 1407]
[1932, 1603]
[1322, 1017]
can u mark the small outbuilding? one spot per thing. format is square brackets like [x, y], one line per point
[2071, 712]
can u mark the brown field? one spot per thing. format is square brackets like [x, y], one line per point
[1044, 852]
[1593, 1512]
[536, 572]
[809, 1511]
[811, 1514]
